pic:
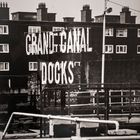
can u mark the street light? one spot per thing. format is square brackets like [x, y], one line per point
[106, 10]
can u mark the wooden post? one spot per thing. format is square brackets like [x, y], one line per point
[106, 108]
[106, 105]
[78, 129]
[63, 100]
[51, 130]
[130, 104]
[97, 99]
[55, 98]
[69, 110]
[44, 98]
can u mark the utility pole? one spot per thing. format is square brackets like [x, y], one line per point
[103, 45]
[106, 92]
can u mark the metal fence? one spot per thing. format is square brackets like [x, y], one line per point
[112, 99]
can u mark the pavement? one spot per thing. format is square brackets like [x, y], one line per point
[89, 138]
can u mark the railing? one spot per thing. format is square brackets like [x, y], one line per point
[51, 117]
[100, 102]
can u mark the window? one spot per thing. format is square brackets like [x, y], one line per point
[56, 29]
[77, 63]
[138, 34]
[121, 32]
[108, 49]
[138, 49]
[4, 48]
[4, 66]
[122, 49]
[4, 29]
[33, 66]
[34, 29]
[109, 32]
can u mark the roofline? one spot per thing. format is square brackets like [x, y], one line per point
[24, 12]
[71, 23]
[111, 15]
[108, 15]
[29, 12]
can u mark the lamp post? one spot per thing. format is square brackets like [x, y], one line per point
[103, 43]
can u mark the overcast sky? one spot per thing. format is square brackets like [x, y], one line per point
[66, 8]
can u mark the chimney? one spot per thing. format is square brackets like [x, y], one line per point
[41, 12]
[4, 11]
[125, 16]
[68, 19]
[86, 14]
[43, 15]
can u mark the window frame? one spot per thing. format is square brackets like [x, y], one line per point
[31, 66]
[4, 66]
[121, 52]
[57, 29]
[3, 29]
[138, 46]
[138, 32]
[125, 32]
[34, 29]
[3, 48]
[109, 30]
[108, 46]
[77, 63]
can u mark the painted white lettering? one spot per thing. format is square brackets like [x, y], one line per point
[73, 40]
[63, 42]
[63, 73]
[28, 39]
[39, 44]
[45, 43]
[34, 44]
[83, 41]
[89, 49]
[57, 74]
[70, 44]
[70, 67]
[76, 36]
[44, 73]
[50, 72]
[51, 43]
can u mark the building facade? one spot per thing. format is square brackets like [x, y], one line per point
[75, 47]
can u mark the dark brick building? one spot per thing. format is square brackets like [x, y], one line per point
[122, 49]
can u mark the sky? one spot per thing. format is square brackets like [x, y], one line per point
[71, 8]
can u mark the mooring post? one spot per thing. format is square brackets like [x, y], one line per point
[51, 128]
[78, 129]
